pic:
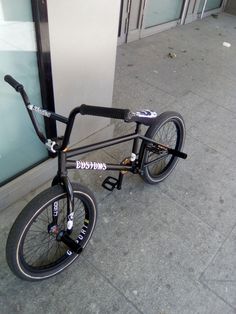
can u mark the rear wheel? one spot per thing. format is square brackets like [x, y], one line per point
[169, 130]
[33, 251]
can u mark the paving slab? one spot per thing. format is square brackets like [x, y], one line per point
[215, 130]
[155, 245]
[134, 94]
[169, 224]
[205, 185]
[77, 290]
[220, 274]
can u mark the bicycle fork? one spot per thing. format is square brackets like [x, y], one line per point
[64, 235]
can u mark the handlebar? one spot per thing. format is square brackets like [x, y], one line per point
[83, 109]
[115, 113]
[11, 81]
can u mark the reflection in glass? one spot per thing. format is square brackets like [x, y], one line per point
[162, 11]
[20, 147]
[211, 5]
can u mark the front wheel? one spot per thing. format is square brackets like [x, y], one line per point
[168, 130]
[33, 251]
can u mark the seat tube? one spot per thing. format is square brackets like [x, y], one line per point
[136, 142]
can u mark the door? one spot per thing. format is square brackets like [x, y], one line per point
[130, 20]
[210, 5]
[147, 17]
[161, 15]
[20, 148]
[123, 21]
[207, 7]
[135, 15]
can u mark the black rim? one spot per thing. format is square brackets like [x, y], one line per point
[168, 134]
[39, 249]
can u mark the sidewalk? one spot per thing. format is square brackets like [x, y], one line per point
[162, 249]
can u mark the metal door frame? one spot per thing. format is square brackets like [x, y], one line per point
[162, 27]
[123, 22]
[195, 15]
[189, 14]
[141, 32]
[135, 34]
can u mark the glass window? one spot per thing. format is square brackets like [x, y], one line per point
[162, 11]
[20, 148]
[211, 5]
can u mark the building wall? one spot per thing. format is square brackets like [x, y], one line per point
[83, 40]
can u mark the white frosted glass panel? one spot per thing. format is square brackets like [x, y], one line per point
[16, 10]
[20, 147]
[211, 5]
[162, 11]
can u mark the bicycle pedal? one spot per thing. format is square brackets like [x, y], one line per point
[110, 183]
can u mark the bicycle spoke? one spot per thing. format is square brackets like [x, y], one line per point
[167, 135]
[41, 248]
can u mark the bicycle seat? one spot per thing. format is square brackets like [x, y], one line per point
[145, 116]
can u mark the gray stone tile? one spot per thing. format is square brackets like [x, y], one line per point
[205, 184]
[222, 268]
[149, 238]
[195, 67]
[132, 93]
[167, 220]
[121, 128]
[165, 76]
[192, 107]
[202, 300]
[120, 152]
[220, 275]
[226, 290]
[218, 131]
[10, 213]
[76, 290]
[220, 90]
[35, 192]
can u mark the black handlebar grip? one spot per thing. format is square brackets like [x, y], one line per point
[11, 81]
[177, 153]
[106, 112]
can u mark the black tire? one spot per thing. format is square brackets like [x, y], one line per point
[32, 252]
[169, 130]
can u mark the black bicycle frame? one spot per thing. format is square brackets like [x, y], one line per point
[65, 163]
[133, 164]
